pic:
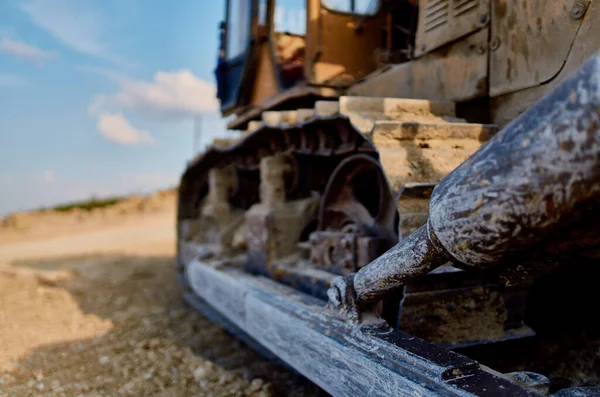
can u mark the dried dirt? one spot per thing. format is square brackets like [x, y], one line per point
[96, 311]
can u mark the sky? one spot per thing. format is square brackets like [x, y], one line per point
[99, 97]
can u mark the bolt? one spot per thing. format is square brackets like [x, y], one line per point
[481, 50]
[345, 243]
[423, 47]
[483, 19]
[578, 10]
[495, 43]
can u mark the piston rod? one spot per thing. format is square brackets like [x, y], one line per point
[540, 175]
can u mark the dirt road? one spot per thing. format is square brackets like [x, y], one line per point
[98, 313]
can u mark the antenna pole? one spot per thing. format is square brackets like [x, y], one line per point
[197, 133]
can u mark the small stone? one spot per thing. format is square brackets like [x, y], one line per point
[255, 385]
[148, 375]
[39, 386]
[104, 360]
[7, 379]
[200, 373]
[224, 379]
[203, 384]
[38, 374]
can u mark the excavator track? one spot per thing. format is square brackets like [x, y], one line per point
[400, 148]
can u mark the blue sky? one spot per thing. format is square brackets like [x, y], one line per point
[98, 97]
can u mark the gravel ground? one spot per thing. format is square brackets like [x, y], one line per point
[99, 319]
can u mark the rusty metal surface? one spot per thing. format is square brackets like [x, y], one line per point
[358, 198]
[456, 72]
[443, 21]
[507, 107]
[530, 41]
[532, 182]
[333, 251]
[342, 253]
[357, 219]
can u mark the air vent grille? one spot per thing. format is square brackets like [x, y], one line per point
[460, 7]
[436, 14]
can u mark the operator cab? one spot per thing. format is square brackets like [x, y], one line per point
[272, 48]
[260, 40]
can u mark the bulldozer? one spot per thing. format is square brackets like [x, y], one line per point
[410, 204]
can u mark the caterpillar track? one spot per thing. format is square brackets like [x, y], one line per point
[299, 162]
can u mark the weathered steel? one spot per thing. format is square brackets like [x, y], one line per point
[507, 107]
[443, 21]
[358, 197]
[341, 253]
[532, 40]
[455, 72]
[342, 359]
[535, 179]
[334, 251]
[531, 380]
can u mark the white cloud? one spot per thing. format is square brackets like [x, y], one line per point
[25, 51]
[171, 95]
[10, 80]
[116, 128]
[78, 24]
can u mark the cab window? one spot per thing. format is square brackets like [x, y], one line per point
[238, 27]
[358, 7]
